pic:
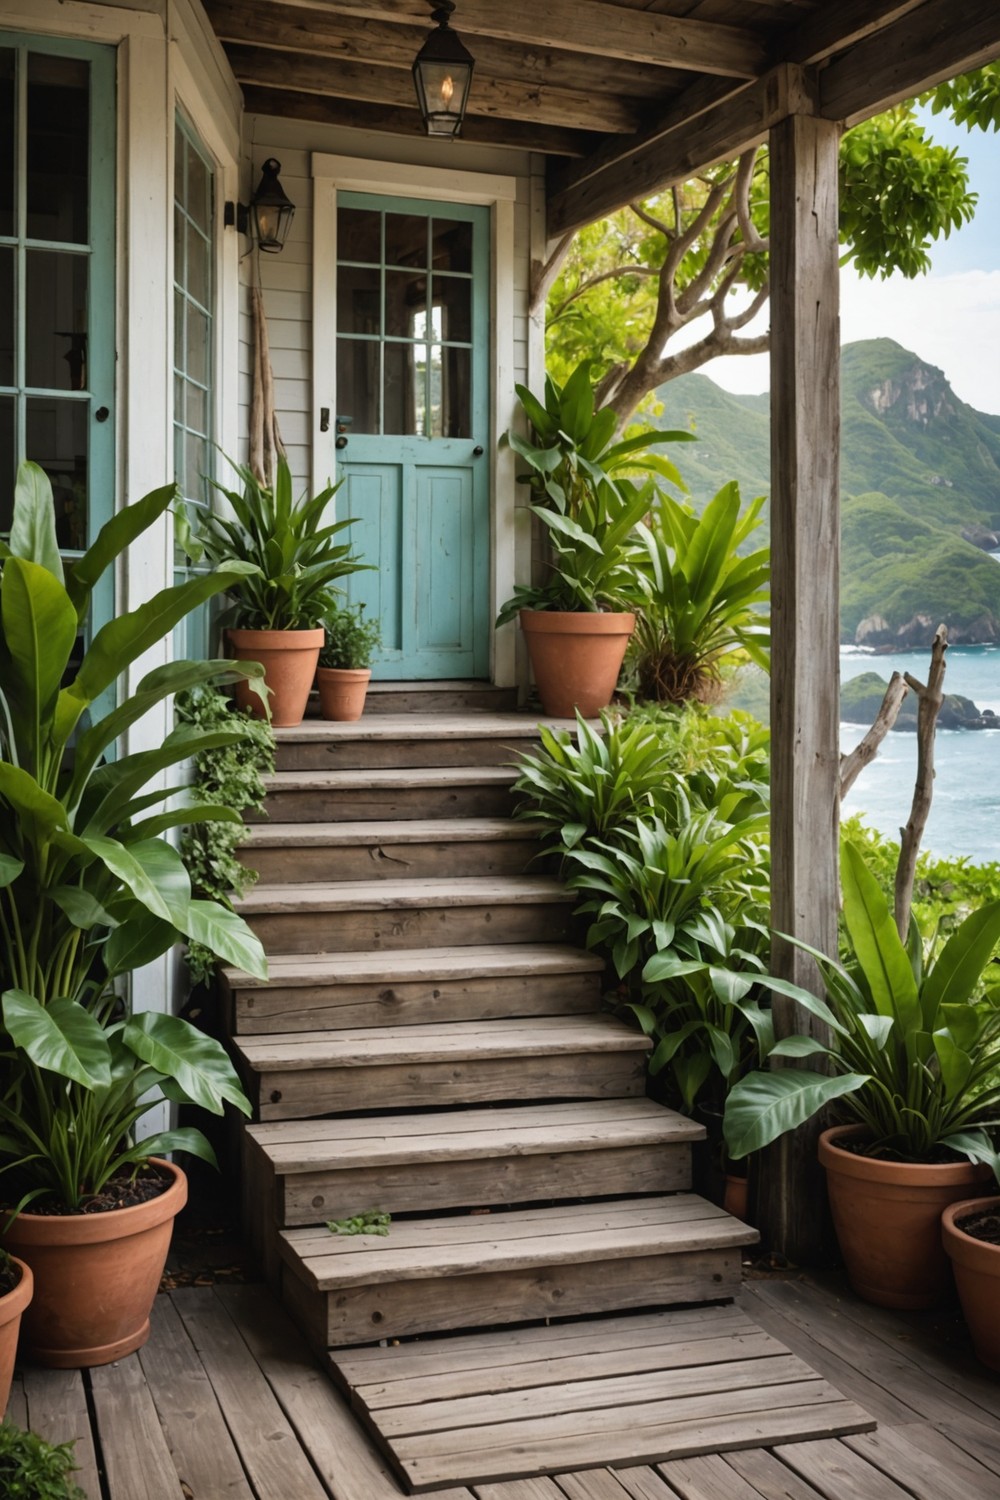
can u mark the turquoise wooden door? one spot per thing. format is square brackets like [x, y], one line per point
[57, 305]
[412, 427]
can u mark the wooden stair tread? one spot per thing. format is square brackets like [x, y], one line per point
[386, 779]
[433, 726]
[405, 964]
[371, 895]
[412, 831]
[372, 1046]
[476, 1244]
[302, 1146]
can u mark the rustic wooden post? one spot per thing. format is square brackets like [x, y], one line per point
[805, 553]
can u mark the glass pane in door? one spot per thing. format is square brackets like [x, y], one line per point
[58, 167]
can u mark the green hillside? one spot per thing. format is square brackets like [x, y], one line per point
[920, 473]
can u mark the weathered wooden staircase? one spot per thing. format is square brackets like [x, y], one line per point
[431, 1043]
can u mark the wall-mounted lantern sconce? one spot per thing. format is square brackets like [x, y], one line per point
[269, 214]
[442, 73]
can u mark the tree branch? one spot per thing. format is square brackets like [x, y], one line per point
[652, 221]
[931, 697]
[862, 755]
[544, 273]
[741, 195]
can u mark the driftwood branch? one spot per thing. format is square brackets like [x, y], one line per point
[931, 697]
[863, 754]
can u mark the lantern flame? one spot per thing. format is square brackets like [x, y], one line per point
[447, 90]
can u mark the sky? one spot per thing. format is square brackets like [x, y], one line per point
[951, 316]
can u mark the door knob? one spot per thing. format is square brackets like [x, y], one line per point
[478, 451]
[340, 442]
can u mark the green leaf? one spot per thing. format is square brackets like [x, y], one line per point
[880, 954]
[226, 935]
[39, 627]
[10, 869]
[33, 528]
[185, 1138]
[196, 1062]
[61, 1037]
[763, 1106]
[124, 527]
[129, 865]
[138, 941]
[958, 970]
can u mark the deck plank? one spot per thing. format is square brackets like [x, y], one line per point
[137, 1461]
[839, 1474]
[927, 1462]
[54, 1404]
[204, 1453]
[769, 1477]
[708, 1476]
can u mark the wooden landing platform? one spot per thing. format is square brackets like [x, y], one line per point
[226, 1403]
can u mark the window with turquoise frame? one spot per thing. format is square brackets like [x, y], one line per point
[194, 342]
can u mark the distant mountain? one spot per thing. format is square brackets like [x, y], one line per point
[920, 474]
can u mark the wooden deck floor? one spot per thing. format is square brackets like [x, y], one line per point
[226, 1403]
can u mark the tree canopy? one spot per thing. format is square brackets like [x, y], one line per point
[622, 290]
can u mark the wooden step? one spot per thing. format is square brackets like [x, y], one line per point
[363, 796]
[311, 1171]
[469, 1271]
[366, 915]
[423, 1067]
[313, 992]
[409, 740]
[455, 695]
[416, 849]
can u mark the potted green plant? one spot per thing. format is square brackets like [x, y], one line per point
[577, 623]
[15, 1294]
[91, 889]
[913, 1067]
[345, 662]
[280, 602]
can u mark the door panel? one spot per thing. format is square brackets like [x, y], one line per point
[413, 404]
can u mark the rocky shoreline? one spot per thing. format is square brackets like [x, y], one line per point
[861, 697]
[918, 634]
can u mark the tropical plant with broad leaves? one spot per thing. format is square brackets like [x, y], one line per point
[585, 495]
[291, 550]
[915, 1056]
[701, 600]
[90, 887]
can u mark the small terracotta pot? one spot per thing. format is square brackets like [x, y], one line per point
[734, 1197]
[342, 692]
[976, 1264]
[11, 1308]
[95, 1277]
[289, 660]
[576, 658]
[888, 1219]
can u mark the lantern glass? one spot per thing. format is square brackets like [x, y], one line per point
[442, 73]
[271, 208]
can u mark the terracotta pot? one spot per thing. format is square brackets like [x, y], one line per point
[734, 1197]
[888, 1219]
[342, 692]
[576, 658]
[289, 660]
[11, 1308]
[976, 1264]
[95, 1277]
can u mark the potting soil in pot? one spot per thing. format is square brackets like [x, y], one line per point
[984, 1225]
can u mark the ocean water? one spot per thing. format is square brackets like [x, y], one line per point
[965, 812]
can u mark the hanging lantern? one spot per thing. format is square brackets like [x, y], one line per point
[442, 73]
[271, 208]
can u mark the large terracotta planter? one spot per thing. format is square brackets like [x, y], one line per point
[11, 1309]
[888, 1219]
[95, 1277]
[289, 660]
[576, 658]
[976, 1264]
[342, 692]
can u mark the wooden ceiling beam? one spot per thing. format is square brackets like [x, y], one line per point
[287, 28]
[581, 26]
[933, 42]
[492, 97]
[286, 104]
[834, 27]
[679, 147]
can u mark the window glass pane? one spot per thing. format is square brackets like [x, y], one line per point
[7, 118]
[6, 317]
[180, 259]
[406, 238]
[451, 391]
[194, 294]
[405, 302]
[358, 293]
[7, 462]
[56, 437]
[58, 144]
[358, 383]
[56, 320]
[452, 243]
[453, 308]
[196, 409]
[199, 347]
[197, 465]
[359, 235]
[404, 400]
[199, 267]
[198, 201]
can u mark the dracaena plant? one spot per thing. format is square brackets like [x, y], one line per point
[583, 493]
[292, 551]
[915, 1056]
[90, 886]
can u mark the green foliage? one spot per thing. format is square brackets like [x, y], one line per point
[89, 886]
[370, 1221]
[231, 774]
[972, 100]
[583, 496]
[32, 1469]
[292, 557]
[351, 640]
[701, 599]
[916, 1038]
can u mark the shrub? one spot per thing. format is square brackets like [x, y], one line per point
[32, 1469]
